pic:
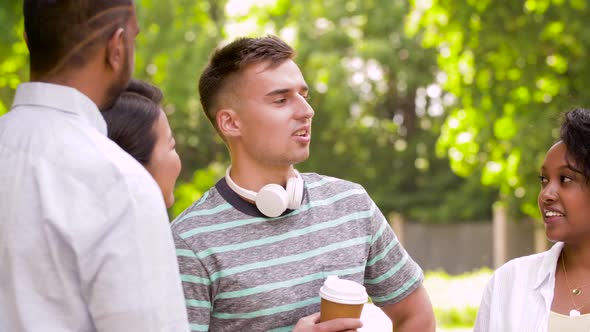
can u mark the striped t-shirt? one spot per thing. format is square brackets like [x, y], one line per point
[242, 271]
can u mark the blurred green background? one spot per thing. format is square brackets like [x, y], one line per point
[439, 108]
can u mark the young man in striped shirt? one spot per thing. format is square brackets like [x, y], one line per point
[252, 255]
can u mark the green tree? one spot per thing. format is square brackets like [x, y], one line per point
[13, 52]
[514, 66]
[379, 108]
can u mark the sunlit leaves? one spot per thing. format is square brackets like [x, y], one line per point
[505, 128]
[492, 173]
[553, 30]
[479, 5]
[521, 95]
[557, 62]
[189, 192]
[457, 141]
[13, 52]
[529, 62]
[466, 66]
[380, 98]
[537, 6]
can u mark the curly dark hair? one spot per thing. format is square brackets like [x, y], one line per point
[575, 134]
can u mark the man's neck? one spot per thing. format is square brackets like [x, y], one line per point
[82, 81]
[253, 177]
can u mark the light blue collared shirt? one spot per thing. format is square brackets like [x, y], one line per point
[85, 243]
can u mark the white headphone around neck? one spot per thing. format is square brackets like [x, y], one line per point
[272, 199]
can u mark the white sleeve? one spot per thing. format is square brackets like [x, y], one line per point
[482, 323]
[126, 258]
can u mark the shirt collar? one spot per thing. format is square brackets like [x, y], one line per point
[547, 268]
[61, 98]
[241, 204]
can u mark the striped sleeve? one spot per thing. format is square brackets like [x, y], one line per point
[390, 274]
[196, 285]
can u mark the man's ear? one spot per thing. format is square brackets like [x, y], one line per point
[228, 122]
[115, 51]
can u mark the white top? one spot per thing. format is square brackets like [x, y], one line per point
[561, 323]
[85, 243]
[518, 297]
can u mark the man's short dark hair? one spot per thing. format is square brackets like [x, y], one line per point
[65, 32]
[233, 58]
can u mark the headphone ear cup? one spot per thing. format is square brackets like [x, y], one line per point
[295, 191]
[272, 200]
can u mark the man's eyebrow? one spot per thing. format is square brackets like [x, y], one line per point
[278, 92]
[304, 88]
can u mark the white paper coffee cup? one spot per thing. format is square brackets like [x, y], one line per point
[341, 298]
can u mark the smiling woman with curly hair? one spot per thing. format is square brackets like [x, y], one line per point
[550, 291]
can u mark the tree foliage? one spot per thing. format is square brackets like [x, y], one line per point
[13, 52]
[514, 66]
[376, 93]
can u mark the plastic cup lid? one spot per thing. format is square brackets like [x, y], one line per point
[343, 291]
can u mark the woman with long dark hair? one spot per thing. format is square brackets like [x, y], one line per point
[137, 123]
